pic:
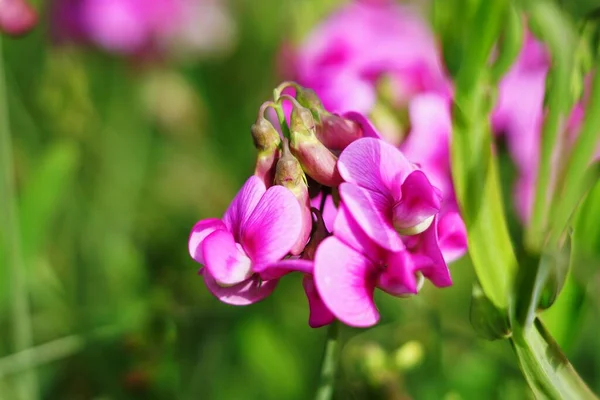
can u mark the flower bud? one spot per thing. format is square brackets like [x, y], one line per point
[309, 99]
[267, 140]
[289, 174]
[16, 17]
[337, 132]
[316, 159]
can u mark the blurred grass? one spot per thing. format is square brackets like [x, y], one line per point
[114, 162]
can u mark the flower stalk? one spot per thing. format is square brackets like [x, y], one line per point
[329, 364]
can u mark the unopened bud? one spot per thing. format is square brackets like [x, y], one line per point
[337, 132]
[316, 159]
[289, 174]
[267, 140]
[309, 99]
[16, 17]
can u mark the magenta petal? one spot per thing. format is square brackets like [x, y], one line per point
[436, 270]
[247, 292]
[372, 212]
[420, 202]
[368, 130]
[399, 277]
[319, 313]
[342, 278]
[243, 204]
[199, 232]
[348, 231]
[283, 267]
[224, 258]
[452, 235]
[274, 226]
[375, 165]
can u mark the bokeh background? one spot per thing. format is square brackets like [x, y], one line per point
[116, 157]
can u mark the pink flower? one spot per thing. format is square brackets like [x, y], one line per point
[242, 252]
[519, 115]
[349, 266]
[17, 17]
[385, 193]
[142, 26]
[344, 58]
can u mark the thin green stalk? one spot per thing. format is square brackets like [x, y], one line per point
[27, 384]
[329, 364]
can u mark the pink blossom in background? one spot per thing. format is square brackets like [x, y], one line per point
[17, 17]
[519, 115]
[345, 56]
[258, 229]
[139, 26]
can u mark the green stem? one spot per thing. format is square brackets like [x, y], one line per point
[329, 364]
[21, 317]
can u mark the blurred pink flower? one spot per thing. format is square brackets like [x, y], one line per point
[240, 252]
[519, 114]
[344, 57]
[17, 17]
[138, 26]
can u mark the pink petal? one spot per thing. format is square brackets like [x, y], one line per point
[243, 204]
[199, 232]
[319, 313]
[247, 292]
[348, 231]
[399, 277]
[420, 202]
[372, 212]
[452, 235]
[274, 226]
[224, 259]
[329, 210]
[283, 267]
[368, 130]
[342, 279]
[375, 165]
[436, 269]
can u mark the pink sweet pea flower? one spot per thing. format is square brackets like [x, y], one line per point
[242, 252]
[17, 17]
[385, 193]
[349, 266]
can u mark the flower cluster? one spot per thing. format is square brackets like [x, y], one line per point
[332, 200]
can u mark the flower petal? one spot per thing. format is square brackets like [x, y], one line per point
[243, 204]
[436, 270]
[420, 202]
[319, 313]
[399, 277]
[452, 235]
[342, 278]
[224, 258]
[199, 232]
[368, 130]
[247, 292]
[375, 165]
[274, 226]
[348, 231]
[283, 267]
[372, 212]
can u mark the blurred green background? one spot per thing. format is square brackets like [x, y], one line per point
[114, 163]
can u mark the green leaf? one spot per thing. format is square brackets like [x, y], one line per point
[509, 45]
[489, 322]
[546, 369]
[474, 168]
[44, 193]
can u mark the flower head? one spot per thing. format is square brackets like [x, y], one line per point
[258, 229]
[17, 17]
